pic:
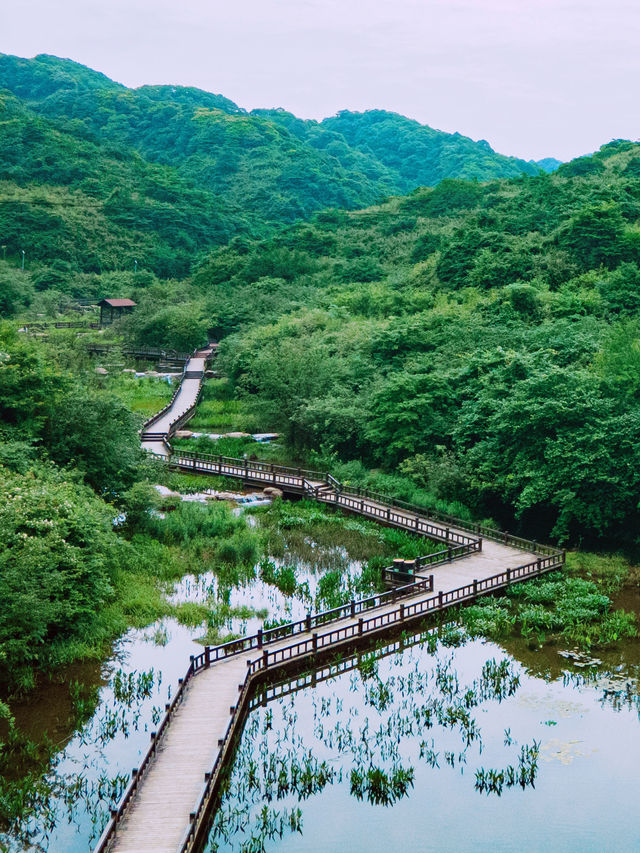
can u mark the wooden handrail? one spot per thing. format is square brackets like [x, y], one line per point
[194, 835]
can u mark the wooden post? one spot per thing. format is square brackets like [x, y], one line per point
[307, 620]
[402, 612]
[360, 626]
[450, 553]
[353, 608]
[259, 634]
[417, 521]
[539, 565]
[207, 656]
[265, 658]
[505, 537]
[508, 575]
[475, 586]
[480, 544]
[314, 643]
[440, 599]
[430, 583]
[446, 534]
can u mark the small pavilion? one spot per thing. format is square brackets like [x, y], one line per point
[111, 309]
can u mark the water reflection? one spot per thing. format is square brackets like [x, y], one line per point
[472, 748]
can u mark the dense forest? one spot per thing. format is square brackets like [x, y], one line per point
[480, 340]
[94, 175]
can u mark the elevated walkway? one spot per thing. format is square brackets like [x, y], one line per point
[167, 805]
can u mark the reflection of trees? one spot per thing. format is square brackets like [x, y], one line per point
[367, 728]
[73, 787]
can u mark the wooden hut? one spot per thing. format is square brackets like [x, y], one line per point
[111, 309]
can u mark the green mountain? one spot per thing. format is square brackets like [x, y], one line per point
[419, 155]
[97, 206]
[244, 173]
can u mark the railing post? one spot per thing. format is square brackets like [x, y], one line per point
[353, 608]
[259, 634]
[450, 553]
[475, 586]
[361, 507]
[307, 620]
[446, 534]
[388, 513]
[480, 544]
[207, 656]
[440, 602]
[430, 583]
[564, 556]
[314, 643]
[360, 626]
[505, 536]
[539, 565]
[265, 658]
[417, 521]
[402, 612]
[508, 575]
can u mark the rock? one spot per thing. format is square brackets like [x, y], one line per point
[237, 435]
[265, 437]
[101, 371]
[273, 492]
[183, 433]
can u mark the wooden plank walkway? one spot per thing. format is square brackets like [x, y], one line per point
[183, 401]
[160, 812]
[166, 808]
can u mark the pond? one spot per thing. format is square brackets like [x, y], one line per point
[444, 747]
[123, 698]
[397, 750]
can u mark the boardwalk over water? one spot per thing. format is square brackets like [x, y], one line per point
[168, 802]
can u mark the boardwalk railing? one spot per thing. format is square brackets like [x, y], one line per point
[325, 488]
[148, 435]
[195, 834]
[362, 501]
[137, 773]
[154, 353]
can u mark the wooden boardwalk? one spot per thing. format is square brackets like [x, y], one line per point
[158, 429]
[167, 805]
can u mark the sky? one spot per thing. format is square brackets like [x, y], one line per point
[535, 78]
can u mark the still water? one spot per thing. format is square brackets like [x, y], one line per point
[93, 764]
[424, 721]
[444, 717]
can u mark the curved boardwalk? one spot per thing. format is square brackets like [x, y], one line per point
[166, 808]
[183, 402]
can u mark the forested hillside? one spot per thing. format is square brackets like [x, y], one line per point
[95, 174]
[483, 340]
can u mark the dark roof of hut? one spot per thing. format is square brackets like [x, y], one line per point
[118, 303]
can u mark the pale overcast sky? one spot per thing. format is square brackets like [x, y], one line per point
[535, 78]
